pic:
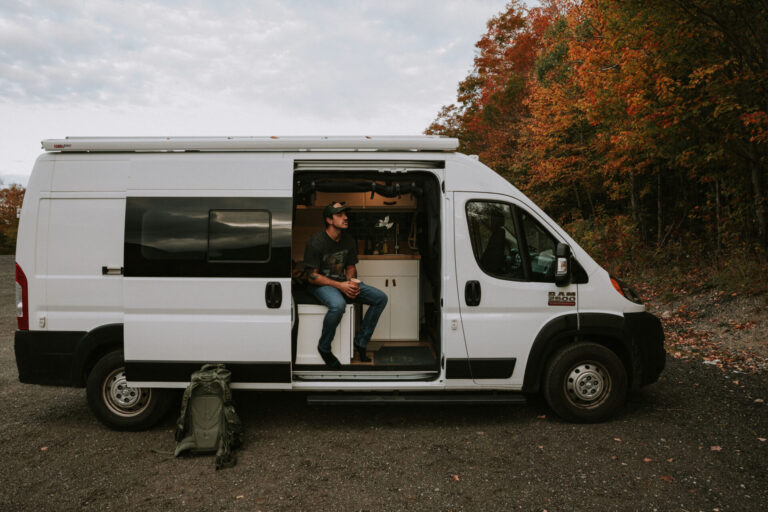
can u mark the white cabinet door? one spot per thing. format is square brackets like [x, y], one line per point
[404, 308]
[399, 279]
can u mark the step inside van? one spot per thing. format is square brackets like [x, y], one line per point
[141, 259]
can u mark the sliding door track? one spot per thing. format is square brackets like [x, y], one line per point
[417, 398]
[362, 375]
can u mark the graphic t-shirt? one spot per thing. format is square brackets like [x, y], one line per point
[330, 257]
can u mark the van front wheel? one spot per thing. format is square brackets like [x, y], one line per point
[118, 405]
[585, 383]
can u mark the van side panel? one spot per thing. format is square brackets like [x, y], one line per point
[86, 237]
[31, 244]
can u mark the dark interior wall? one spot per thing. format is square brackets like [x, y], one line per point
[425, 186]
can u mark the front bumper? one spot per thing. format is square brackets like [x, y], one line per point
[648, 340]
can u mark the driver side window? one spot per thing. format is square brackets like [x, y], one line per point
[506, 252]
[494, 239]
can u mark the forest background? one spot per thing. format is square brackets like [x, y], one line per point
[641, 127]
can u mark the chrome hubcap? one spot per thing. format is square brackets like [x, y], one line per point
[122, 393]
[587, 382]
[123, 399]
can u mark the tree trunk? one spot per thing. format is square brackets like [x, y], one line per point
[634, 202]
[578, 199]
[591, 204]
[759, 205]
[762, 229]
[718, 234]
[659, 217]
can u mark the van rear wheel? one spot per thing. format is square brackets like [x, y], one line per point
[118, 405]
[585, 383]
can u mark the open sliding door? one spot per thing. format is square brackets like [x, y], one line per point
[207, 268]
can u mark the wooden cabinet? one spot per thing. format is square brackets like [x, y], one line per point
[353, 199]
[364, 200]
[399, 279]
[404, 201]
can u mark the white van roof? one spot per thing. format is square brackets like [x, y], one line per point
[333, 143]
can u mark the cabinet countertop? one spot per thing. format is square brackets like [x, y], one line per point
[389, 256]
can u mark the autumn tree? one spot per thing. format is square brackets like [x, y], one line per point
[650, 116]
[10, 204]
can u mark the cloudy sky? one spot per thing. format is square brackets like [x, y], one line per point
[227, 67]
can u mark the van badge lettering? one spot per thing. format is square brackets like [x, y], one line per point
[562, 298]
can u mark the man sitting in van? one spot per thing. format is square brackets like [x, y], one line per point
[331, 256]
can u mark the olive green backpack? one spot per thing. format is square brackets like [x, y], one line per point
[208, 422]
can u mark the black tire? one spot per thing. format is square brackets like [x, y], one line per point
[119, 406]
[585, 383]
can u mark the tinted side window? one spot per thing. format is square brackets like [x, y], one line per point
[541, 247]
[494, 239]
[207, 237]
[239, 235]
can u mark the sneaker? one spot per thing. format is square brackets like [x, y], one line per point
[361, 355]
[330, 360]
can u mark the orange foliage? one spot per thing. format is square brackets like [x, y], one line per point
[10, 203]
[602, 108]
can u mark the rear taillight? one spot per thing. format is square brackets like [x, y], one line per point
[22, 300]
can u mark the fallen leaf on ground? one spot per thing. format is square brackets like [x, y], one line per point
[759, 400]
[43, 448]
[761, 439]
[647, 459]
[543, 416]
[670, 460]
[455, 478]
[239, 497]
[617, 439]
[667, 478]
[716, 448]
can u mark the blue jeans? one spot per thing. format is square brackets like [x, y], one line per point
[336, 303]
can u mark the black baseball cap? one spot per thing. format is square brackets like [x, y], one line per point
[329, 210]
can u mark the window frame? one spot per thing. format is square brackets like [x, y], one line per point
[136, 262]
[522, 239]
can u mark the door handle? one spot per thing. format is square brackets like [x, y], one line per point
[273, 294]
[472, 293]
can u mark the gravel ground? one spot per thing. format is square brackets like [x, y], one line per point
[693, 441]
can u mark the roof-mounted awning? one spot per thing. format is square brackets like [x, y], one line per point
[333, 143]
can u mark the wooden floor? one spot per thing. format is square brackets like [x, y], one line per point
[373, 346]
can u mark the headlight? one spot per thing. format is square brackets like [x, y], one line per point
[626, 290]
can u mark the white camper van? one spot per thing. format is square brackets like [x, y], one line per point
[140, 259]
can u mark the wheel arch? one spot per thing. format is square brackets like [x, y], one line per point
[92, 347]
[601, 328]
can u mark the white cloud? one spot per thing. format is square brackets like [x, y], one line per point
[227, 67]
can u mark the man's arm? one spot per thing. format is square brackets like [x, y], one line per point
[345, 287]
[351, 271]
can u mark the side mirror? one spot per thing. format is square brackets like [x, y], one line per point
[563, 269]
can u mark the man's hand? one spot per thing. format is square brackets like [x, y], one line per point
[350, 289]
